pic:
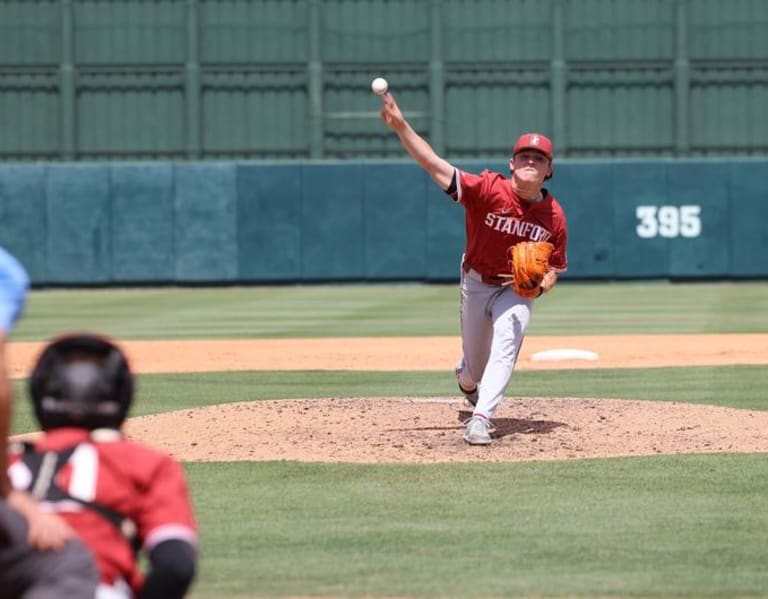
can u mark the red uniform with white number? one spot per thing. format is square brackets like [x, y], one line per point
[497, 218]
[137, 481]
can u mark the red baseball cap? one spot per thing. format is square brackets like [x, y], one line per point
[534, 141]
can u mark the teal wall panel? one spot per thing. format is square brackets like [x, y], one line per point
[79, 212]
[205, 225]
[123, 223]
[142, 230]
[706, 186]
[395, 218]
[584, 191]
[446, 231]
[748, 211]
[332, 222]
[446, 237]
[269, 222]
[637, 188]
[23, 216]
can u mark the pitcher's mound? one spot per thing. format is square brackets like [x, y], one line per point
[429, 430]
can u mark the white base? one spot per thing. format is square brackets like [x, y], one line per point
[564, 354]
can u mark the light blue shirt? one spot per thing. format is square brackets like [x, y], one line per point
[14, 283]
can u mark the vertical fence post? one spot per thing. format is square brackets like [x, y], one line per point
[67, 106]
[682, 80]
[436, 79]
[192, 87]
[558, 82]
[315, 82]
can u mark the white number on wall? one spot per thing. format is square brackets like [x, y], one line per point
[690, 222]
[668, 221]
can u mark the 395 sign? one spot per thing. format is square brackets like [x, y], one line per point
[668, 221]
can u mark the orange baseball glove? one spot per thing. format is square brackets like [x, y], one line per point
[528, 263]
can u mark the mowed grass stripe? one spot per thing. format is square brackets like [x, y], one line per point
[387, 310]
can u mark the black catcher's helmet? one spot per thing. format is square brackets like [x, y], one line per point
[81, 380]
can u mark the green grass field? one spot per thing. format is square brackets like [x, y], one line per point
[666, 526]
[389, 310]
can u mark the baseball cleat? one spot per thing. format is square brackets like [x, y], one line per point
[470, 397]
[477, 431]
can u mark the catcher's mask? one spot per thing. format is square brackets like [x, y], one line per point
[83, 381]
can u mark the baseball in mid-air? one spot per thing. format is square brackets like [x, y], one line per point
[379, 86]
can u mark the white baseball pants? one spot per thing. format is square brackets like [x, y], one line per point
[493, 324]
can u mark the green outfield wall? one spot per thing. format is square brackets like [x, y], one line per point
[239, 223]
[84, 80]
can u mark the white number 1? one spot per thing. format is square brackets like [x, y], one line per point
[85, 469]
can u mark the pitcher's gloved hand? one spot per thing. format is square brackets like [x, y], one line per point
[528, 262]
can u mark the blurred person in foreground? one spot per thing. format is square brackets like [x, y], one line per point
[40, 557]
[127, 501]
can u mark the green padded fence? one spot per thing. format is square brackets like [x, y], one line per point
[289, 79]
[229, 222]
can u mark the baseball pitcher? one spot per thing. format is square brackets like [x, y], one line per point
[516, 237]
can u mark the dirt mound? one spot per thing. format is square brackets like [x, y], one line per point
[421, 430]
[429, 430]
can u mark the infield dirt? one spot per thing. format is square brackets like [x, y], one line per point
[410, 429]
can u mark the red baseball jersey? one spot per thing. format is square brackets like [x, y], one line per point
[497, 218]
[129, 478]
